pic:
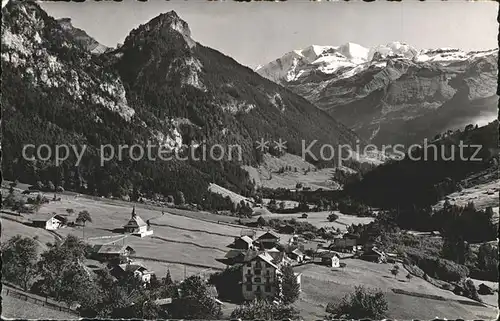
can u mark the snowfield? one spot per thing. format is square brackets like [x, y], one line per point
[350, 59]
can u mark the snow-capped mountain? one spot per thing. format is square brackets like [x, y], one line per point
[352, 58]
[392, 93]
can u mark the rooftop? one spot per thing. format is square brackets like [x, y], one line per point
[44, 217]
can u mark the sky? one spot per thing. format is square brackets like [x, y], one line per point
[256, 33]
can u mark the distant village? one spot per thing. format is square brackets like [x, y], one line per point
[260, 257]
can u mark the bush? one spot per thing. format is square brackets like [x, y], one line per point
[361, 304]
[227, 284]
[439, 268]
[332, 217]
[309, 235]
[470, 290]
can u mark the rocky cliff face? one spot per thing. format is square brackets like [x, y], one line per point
[394, 93]
[81, 37]
[160, 86]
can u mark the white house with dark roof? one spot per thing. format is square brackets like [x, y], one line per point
[137, 226]
[296, 255]
[47, 221]
[138, 269]
[242, 243]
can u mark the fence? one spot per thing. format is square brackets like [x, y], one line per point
[43, 301]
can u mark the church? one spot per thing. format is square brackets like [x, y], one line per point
[137, 226]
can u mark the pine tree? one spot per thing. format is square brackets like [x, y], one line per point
[290, 288]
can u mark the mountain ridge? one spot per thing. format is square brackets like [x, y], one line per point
[159, 86]
[391, 86]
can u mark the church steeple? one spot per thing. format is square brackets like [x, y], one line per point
[133, 212]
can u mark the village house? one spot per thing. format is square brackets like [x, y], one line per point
[286, 229]
[269, 239]
[330, 259]
[242, 243]
[48, 221]
[279, 257]
[345, 245]
[138, 269]
[374, 255]
[260, 261]
[112, 252]
[137, 226]
[296, 255]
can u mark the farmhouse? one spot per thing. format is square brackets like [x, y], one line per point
[296, 255]
[242, 243]
[268, 240]
[279, 258]
[374, 255]
[138, 269]
[330, 259]
[286, 229]
[137, 226]
[48, 221]
[112, 252]
[346, 245]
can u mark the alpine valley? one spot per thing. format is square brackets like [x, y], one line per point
[393, 93]
[60, 86]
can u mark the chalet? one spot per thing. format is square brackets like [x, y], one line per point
[346, 245]
[304, 215]
[139, 270]
[296, 255]
[269, 239]
[242, 243]
[48, 221]
[286, 229]
[112, 252]
[250, 222]
[137, 226]
[232, 257]
[331, 259]
[279, 257]
[374, 255]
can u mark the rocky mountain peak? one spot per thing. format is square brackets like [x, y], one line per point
[81, 37]
[165, 26]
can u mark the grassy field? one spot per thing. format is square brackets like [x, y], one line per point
[319, 219]
[186, 246]
[483, 195]
[321, 285]
[15, 308]
[267, 175]
[176, 239]
[11, 228]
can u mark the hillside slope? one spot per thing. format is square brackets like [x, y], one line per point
[440, 170]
